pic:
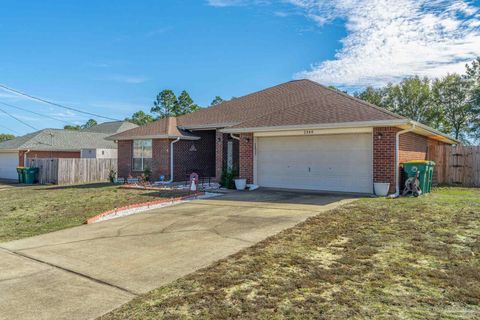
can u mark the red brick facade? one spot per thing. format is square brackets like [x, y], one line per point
[210, 155]
[384, 155]
[124, 158]
[46, 154]
[195, 156]
[246, 149]
[188, 156]
[411, 147]
[160, 161]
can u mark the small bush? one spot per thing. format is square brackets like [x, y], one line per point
[112, 174]
[227, 179]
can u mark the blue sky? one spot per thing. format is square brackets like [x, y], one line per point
[113, 57]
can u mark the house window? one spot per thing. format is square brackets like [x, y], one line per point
[142, 155]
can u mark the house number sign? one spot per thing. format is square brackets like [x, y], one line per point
[307, 131]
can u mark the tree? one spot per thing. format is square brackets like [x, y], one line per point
[216, 100]
[473, 77]
[167, 104]
[6, 136]
[372, 95]
[185, 104]
[90, 123]
[337, 89]
[72, 127]
[140, 118]
[452, 96]
[411, 98]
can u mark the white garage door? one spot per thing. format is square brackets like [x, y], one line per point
[8, 165]
[341, 162]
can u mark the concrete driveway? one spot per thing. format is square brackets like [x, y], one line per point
[86, 271]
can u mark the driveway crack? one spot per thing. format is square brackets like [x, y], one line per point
[85, 276]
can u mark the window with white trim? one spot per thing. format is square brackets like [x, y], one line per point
[142, 155]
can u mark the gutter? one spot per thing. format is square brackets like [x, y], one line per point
[25, 157]
[113, 138]
[353, 124]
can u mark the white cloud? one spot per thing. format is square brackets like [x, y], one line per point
[389, 40]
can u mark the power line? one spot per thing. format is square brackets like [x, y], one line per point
[21, 121]
[14, 131]
[54, 103]
[38, 114]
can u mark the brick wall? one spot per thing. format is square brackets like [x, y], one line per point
[161, 158]
[47, 154]
[185, 159]
[195, 155]
[412, 147]
[246, 157]
[384, 155]
[124, 168]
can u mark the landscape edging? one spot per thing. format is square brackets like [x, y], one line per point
[140, 205]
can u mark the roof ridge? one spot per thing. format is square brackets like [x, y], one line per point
[357, 99]
[241, 97]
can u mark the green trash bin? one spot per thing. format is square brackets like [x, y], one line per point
[30, 175]
[20, 174]
[425, 173]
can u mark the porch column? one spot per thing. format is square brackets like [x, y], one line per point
[219, 137]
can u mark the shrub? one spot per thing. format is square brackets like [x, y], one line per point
[112, 174]
[227, 178]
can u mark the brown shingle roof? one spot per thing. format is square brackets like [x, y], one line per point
[292, 103]
[326, 106]
[165, 127]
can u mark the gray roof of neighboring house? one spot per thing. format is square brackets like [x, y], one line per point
[111, 127]
[59, 140]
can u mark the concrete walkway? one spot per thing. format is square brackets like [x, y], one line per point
[86, 271]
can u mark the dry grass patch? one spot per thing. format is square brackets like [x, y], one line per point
[409, 258]
[30, 211]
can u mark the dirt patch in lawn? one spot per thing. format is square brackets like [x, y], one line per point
[34, 210]
[374, 258]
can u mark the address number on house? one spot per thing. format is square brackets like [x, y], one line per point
[308, 132]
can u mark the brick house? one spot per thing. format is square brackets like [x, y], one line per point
[296, 135]
[60, 143]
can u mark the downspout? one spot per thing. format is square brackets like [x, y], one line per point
[234, 137]
[171, 160]
[25, 157]
[397, 160]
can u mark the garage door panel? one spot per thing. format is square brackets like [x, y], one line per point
[329, 162]
[8, 165]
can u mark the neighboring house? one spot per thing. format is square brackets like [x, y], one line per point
[296, 135]
[59, 143]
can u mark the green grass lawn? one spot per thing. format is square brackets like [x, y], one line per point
[29, 211]
[407, 258]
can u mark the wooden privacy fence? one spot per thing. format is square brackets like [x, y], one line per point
[458, 165]
[70, 171]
